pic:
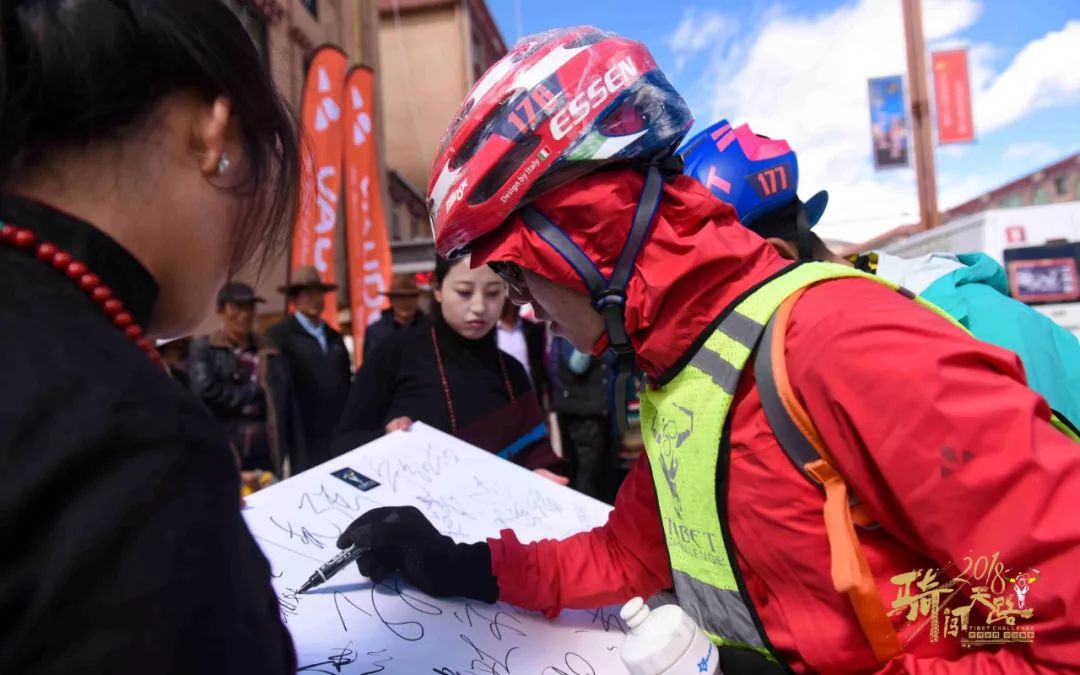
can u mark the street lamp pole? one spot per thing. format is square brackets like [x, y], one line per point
[922, 136]
[358, 29]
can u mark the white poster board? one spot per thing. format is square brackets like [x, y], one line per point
[352, 626]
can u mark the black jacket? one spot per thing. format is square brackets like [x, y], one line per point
[585, 394]
[124, 550]
[321, 381]
[213, 370]
[402, 379]
[536, 345]
[378, 332]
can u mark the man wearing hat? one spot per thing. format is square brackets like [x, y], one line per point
[404, 312]
[318, 360]
[244, 381]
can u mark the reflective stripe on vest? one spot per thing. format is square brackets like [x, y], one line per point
[682, 423]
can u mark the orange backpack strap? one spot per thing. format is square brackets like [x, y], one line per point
[802, 443]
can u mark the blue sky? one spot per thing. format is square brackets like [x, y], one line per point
[797, 69]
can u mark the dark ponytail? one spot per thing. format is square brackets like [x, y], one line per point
[79, 73]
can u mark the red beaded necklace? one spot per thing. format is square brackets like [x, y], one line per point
[446, 382]
[89, 282]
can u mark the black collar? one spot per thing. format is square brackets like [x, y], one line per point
[130, 282]
[451, 338]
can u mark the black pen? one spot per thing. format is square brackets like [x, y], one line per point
[333, 566]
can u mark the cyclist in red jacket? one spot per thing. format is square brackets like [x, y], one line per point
[557, 172]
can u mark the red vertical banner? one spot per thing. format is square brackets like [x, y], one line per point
[320, 181]
[952, 97]
[365, 222]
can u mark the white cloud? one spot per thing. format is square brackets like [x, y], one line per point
[1031, 153]
[942, 18]
[868, 206]
[804, 78]
[955, 189]
[980, 66]
[1045, 74]
[953, 151]
[697, 32]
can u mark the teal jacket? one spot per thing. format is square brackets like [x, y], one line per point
[975, 291]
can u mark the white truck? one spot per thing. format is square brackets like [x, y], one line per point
[994, 231]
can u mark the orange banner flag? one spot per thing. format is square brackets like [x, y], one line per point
[366, 239]
[320, 184]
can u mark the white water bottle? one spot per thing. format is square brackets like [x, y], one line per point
[666, 641]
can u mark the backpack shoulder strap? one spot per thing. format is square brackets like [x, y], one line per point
[788, 419]
[802, 443]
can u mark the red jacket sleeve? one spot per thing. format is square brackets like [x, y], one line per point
[609, 564]
[938, 435]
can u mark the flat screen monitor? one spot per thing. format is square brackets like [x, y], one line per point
[1040, 274]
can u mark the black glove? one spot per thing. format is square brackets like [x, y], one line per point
[402, 540]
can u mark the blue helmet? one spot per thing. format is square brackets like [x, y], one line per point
[753, 173]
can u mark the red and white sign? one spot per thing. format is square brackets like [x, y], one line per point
[1015, 234]
[365, 222]
[952, 97]
[320, 180]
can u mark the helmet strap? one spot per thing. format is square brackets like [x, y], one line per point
[670, 165]
[803, 242]
[609, 295]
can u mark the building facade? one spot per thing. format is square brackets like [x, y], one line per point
[1058, 182]
[430, 54]
[286, 31]
[1055, 183]
[426, 54]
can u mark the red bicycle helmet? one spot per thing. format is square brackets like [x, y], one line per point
[561, 104]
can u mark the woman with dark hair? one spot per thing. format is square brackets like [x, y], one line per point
[144, 156]
[452, 376]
